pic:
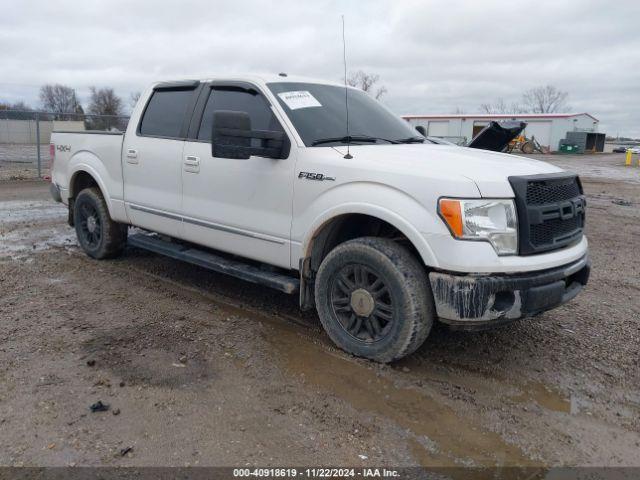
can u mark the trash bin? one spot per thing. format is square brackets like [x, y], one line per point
[566, 148]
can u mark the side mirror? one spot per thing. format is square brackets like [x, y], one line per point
[232, 137]
[421, 130]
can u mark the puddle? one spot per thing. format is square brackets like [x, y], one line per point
[16, 243]
[530, 391]
[545, 397]
[31, 210]
[19, 235]
[437, 436]
[442, 437]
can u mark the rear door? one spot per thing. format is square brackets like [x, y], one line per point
[152, 158]
[237, 206]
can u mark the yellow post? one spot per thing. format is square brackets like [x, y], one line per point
[627, 161]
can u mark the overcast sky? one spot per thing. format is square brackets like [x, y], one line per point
[432, 56]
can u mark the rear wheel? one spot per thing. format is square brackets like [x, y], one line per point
[373, 299]
[98, 235]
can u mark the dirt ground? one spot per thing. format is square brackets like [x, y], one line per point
[202, 369]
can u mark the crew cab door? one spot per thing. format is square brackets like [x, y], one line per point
[237, 206]
[152, 158]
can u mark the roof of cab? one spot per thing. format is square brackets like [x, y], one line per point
[254, 78]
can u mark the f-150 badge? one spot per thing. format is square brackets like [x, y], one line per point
[315, 176]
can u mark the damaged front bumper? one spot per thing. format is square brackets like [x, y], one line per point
[472, 301]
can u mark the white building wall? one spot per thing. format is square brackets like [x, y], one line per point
[25, 131]
[547, 130]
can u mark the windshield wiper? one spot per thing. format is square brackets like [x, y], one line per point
[411, 140]
[351, 139]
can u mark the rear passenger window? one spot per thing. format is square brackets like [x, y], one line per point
[262, 118]
[165, 113]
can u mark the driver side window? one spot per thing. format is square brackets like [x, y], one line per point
[262, 118]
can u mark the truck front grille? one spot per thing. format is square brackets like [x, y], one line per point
[540, 193]
[551, 211]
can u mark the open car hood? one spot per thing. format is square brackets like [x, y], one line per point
[496, 136]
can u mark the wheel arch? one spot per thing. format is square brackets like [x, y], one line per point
[349, 222]
[369, 214]
[84, 176]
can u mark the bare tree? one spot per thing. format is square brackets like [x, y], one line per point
[547, 99]
[18, 110]
[133, 99]
[104, 101]
[59, 99]
[20, 105]
[500, 107]
[366, 82]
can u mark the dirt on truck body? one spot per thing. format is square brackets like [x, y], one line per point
[204, 369]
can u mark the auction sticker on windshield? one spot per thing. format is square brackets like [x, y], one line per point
[299, 99]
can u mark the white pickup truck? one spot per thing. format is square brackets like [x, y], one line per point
[380, 229]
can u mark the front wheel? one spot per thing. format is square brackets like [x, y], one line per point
[98, 235]
[373, 299]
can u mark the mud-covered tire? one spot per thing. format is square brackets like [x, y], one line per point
[378, 270]
[98, 235]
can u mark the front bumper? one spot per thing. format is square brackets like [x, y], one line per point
[472, 301]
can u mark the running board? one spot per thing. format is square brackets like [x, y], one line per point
[214, 262]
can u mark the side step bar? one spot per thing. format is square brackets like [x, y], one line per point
[215, 262]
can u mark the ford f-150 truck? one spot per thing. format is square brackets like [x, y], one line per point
[381, 230]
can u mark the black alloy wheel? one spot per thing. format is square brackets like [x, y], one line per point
[362, 303]
[90, 226]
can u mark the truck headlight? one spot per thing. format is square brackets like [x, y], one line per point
[489, 220]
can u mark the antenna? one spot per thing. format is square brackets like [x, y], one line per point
[346, 90]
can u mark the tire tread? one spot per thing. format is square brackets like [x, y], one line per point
[420, 300]
[114, 233]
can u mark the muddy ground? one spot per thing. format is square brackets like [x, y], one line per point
[203, 369]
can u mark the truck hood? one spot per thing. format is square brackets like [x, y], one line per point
[488, 170]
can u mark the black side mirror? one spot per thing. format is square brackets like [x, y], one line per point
[421, 130]
[232, 138]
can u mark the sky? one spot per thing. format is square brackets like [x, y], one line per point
[432, 56]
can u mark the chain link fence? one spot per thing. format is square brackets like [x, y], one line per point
[25, 138]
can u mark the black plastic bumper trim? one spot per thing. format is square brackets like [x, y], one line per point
[482, 300]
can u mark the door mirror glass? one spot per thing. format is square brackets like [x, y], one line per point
[232, 137]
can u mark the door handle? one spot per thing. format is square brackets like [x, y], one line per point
[191, 164]
[132, 156]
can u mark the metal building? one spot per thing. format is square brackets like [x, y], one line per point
[549, 129]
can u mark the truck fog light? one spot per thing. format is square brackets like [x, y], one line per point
[488, 220]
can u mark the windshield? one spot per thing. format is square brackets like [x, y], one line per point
[317, 112]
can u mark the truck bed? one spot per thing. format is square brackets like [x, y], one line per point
[88, 150]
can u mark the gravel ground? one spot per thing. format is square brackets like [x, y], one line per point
[203, 369]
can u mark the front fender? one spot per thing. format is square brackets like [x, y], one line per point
[391, 205]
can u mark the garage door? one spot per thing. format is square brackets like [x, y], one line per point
[438, 129]
[477, 128]
[540, 130]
